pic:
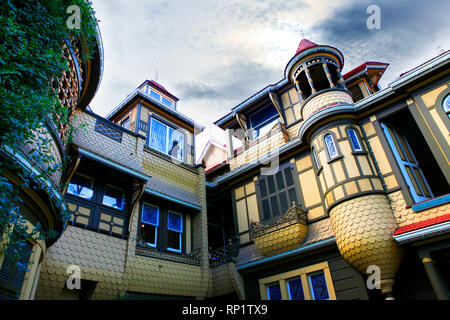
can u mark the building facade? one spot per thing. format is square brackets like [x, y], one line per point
[336, 180]
[340, 180]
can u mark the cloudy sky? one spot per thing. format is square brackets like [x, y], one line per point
[213, 54]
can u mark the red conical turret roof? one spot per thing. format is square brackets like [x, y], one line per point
[305, 44]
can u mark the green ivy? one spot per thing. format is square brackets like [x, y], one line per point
[32, 33]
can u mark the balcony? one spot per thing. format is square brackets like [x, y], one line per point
[284, 235]
[324, 99]
[254, 149]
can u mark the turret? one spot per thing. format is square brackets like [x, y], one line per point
[361, 217]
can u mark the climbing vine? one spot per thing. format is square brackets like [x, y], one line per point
[32, 34]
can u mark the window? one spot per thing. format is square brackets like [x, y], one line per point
[308, 283]
[155, 95]
[98, 198]
[276, 193]
[354, 141]
[318, 286]
[114, 197]
[411, 171]
[13, 268]
[161, 99]
[316, 158]
[446, 105]
[331, 146]
[167, 102]
[126, 123]
[81, 186]
[174, 231]
[162, 228]
[149, 224]
[263, 121]
[274, 292]
[165, 139]
[295, 289]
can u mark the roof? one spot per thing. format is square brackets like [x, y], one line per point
[305, 44]
[172, 193]
[422, 224]
[423, 64]
[364, 66]
[172, 111]
[156, 85]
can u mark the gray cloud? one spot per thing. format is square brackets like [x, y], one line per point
[197, 90]
[410, 33]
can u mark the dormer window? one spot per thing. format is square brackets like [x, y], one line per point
[263, 121]
[166, 139]
[160, 98]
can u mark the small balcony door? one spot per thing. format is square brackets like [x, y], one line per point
[408, 164]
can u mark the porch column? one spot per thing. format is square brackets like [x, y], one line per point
[297, 86]
[435, 277]
[308, 75]
[327, 73]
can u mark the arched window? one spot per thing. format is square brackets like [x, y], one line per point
[315, 158]
[356, 145]
[331, 146]
[446, 105]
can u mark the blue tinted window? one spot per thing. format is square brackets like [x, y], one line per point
[331, 146]
[166, 102]
[319, 286]
[274, 292]
[175, 222]
[295, 289]
[114, 198]
[158, 136]
[354, 140]
[265, 115]
[155, 96]
[81, 186]
[446, 105]
[150, 215]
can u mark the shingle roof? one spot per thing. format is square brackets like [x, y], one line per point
[305, 44]
[422, 224]
[164, 188]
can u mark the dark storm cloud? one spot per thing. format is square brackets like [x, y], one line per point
[408, 34]
[197, 90]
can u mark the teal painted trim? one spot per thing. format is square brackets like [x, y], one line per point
[172, 199]
[114, 165]
[431, 203]
[308, 247]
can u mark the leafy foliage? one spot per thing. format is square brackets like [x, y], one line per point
[32, 33]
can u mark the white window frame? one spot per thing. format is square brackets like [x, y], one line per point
[180, 233]
[156, 226]
[167, 139]
[328, 147]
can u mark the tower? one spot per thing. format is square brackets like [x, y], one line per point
[360, 213]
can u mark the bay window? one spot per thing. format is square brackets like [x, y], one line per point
[81, 186]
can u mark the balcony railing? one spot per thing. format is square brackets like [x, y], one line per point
[224, 254]
[143, 249]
